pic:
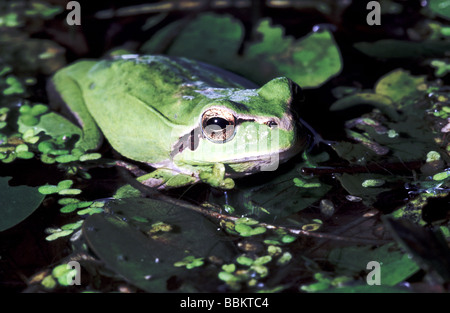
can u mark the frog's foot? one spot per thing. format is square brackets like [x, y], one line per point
[164, 178]
[216, 178]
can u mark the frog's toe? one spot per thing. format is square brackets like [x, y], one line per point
[165, 178]
[217, 181]
[227, 183]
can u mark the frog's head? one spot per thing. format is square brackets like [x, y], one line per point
[248, 130]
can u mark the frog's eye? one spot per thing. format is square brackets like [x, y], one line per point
[218, 125]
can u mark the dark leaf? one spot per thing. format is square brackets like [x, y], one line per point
[17, 203]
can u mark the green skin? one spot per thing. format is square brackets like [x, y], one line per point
[152, 109]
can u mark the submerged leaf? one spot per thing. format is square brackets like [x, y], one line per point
[18, 202]
[427, 247]
[396, 266]
[276, 198]
[405, 136]
[131, 247]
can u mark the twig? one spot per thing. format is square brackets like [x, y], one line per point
[155, 194]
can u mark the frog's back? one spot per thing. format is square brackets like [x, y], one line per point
[189, 71]
[169, 85]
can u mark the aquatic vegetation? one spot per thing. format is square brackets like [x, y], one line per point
[373, 184]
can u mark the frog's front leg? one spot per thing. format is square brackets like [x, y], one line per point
[163, 178]
[216, 178]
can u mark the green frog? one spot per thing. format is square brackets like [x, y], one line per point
[189, 120]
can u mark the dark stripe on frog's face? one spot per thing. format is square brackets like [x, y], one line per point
[189, 140]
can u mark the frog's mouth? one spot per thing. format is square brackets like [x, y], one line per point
[240, 167]
[264, 162]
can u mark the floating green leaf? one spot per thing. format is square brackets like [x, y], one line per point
[48, 189]
[399, 85]
[220, 35]
[63, 188]
[304, 184]
[373, 183]
[28, 120]
[230, 268]
[89, 156]
[441, 176]
[64, 274]
[64, 184]
[66, 158]
[228, 277]
[59, 234]
[189, 262]
[402, 49]
[288, 239]
[14, 86]
[53, 125]
[246, 230]
[90, 211]
[440, 7]
[309, 61]
[65, 201]
[243, 260]
[72, 226]
[69, 191]
[442, 68]
[68, 208]
[390, 90]
[246, 221]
